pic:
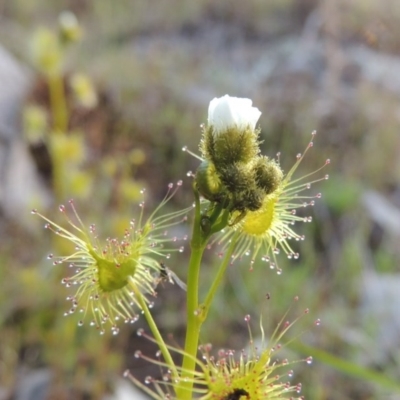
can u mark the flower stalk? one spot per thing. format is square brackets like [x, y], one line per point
[154, 329]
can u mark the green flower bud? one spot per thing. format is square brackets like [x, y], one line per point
[237, 177]
[268, 174]
[254, 200]
[208, 182]
[232, 145]
[231, 135]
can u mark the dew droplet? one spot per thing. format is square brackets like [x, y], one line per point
[298, 390]
[309, 360]
[166, 377]
[286, 324]
[137, 354]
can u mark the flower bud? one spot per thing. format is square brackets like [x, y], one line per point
[83, 90]
[268, 175]
[208, 182]
[230, 135]
[237, 177]
[46, 52]
[250, 200]
[70, 31]
[232, 112]
[35, 124]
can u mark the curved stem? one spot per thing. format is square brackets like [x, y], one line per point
[154, 330]
[205, 307]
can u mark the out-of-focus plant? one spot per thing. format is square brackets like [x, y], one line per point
[32, 328]
[50, 125]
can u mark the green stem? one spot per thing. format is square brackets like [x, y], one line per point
[58, 103]
[60, 124]
[198, 243]
[58, 182]
[194, 320]
[205, 307]
[195, 314]
[153, 327]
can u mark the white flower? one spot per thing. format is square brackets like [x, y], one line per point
[226, 112]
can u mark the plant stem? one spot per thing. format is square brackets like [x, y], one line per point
[195, 313]
[58, 103]
[199, 240]
[59, 115]
[153, 327]
[194, 321]
[205, 307]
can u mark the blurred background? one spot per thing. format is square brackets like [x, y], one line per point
[99, 110]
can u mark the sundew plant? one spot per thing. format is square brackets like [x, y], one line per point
[245, 204]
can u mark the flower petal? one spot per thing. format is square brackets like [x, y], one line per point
[226, 112]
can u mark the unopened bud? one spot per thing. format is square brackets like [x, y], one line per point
[268, 175]
[208, 182]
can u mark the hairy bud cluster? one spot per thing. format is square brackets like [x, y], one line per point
[233, 172]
